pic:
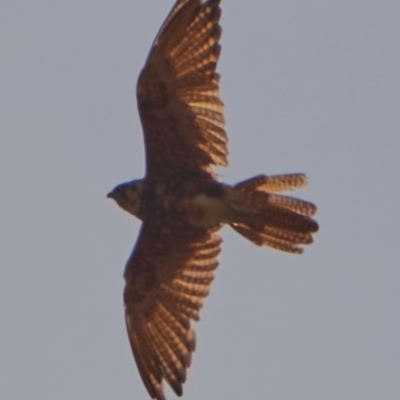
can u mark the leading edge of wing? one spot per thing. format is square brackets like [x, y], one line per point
[167, 278]
[178, 92]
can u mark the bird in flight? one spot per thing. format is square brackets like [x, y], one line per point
[181, 202]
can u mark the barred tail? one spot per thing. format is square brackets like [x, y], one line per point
[270, 219]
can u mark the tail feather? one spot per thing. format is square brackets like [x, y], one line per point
[293, 237]
[291, 203]
[270, 219]
[261, 239]
[273, 183]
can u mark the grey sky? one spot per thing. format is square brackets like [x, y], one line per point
[309, 86]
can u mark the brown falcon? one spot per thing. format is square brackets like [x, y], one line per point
[180, 201]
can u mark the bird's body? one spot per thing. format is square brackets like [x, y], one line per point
[182, 204]
[203, 204]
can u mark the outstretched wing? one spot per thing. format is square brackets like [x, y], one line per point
[167, 277]
[178, 93]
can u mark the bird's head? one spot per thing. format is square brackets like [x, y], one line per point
[128, 196]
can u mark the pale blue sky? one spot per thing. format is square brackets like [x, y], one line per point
[309, 86]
